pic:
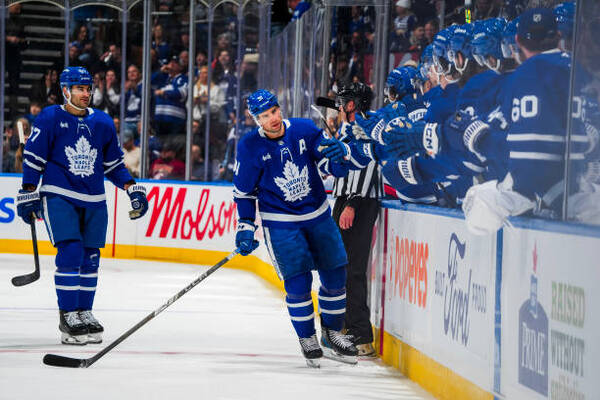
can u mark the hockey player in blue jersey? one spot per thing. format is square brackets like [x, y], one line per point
[72, 148]
[278, 165]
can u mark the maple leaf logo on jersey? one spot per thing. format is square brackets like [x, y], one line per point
[82, 158]
[294, 184]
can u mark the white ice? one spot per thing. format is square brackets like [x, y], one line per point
[228, 338]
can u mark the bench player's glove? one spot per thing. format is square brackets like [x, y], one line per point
[334, 150]
[465, 129]
[404, 139]
[28, 203]
[372, 124]
[244, 238]
[139, 203]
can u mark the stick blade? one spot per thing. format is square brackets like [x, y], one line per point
[326, 102]
[67, 362]
[23, 280]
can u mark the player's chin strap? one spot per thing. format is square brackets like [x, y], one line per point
[68, 99]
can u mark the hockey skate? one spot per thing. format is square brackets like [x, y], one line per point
[95, 329]
[74, 331]
[311, 350]
[337, 346]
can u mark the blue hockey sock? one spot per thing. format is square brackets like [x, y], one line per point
[300, 305]
[332, 298]
[89, 278]
[66, 277]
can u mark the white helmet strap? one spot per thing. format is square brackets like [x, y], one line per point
[67, 96]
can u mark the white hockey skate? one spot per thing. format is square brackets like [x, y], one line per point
[74, 331]
[95, 329]
[338, 347]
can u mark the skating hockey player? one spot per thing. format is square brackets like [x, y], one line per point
[72, 148]
[278, 164]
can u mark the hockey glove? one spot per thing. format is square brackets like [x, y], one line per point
[404, 139]
[244, 238]
[334, 150]
[464, 129]
[139, 203]
[28, 203]
[372, 125]
[370, 150]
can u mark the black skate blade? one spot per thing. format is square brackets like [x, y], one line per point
[332, 355]
[67, 362]
[23, 280]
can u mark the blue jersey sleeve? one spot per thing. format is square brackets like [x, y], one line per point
[247, 173]
[35, 154]
[114, 165]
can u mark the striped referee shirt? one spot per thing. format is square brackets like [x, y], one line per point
[366, 182]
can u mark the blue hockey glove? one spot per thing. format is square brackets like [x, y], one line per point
[28, 203]
[371, 150]
[244, 238]
[464, 129]
[404, 139]
[334, 149]
[373, 125]
[139, 203]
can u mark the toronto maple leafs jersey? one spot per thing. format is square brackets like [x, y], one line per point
[73, 155]
[283, 175]
[170, 107]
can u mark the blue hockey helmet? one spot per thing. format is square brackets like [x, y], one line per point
[565, 20]
[487, 43]
[400, 82]
[441, 43]
[71, 76]
[510, 48]
[260, 101]
[426, 62]
[460, 44]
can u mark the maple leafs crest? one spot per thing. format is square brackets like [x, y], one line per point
[294, 183]
[82, 158]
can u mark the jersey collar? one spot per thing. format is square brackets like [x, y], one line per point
[286, 123]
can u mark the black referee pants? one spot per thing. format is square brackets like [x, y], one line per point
[357, 241]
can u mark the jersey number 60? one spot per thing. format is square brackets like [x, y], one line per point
[526, 107]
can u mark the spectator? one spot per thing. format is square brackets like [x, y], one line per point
[224, 74]
[113, 92]
[100, 98]
[199, 164]
[131, 153]
[168, 166]
[404, 21]
[47, 90]
[418, 41]
[111, 59]
[170, 91]
[299, 7]
[159, 43]
[431, 29]
[217, 97]
[15, 43]
[117, 123]
[8, 156]
[34, 109]
[223, 43]
[357, 23]
[184, 60]
[86, 54]
[226, 166]
[201, 59]
[133, 97]
[249, 72]
[74, 55]
[485, 9]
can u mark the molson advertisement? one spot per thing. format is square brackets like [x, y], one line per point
[440, 291]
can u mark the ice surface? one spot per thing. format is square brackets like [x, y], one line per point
[229, 338]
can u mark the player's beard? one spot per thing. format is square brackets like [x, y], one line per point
[275, 132]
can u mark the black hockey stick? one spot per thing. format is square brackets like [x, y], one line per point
[61, 361]
[22, 280]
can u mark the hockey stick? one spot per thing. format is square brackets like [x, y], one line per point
[331, 133]
[22, 280]
[26, 279]
[61, 361]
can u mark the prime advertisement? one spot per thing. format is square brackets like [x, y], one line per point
[439, 292]
[549, 328]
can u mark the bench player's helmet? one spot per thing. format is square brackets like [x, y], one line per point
[260, 101]
[72, 76]
[459, 49]
[361, 94]
[565, 20]
[510, 48]
[487, 43]
[401, 82]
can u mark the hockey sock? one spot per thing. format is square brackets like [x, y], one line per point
[66, 277]
[89, 278]
[332, 298]
[300, 305]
